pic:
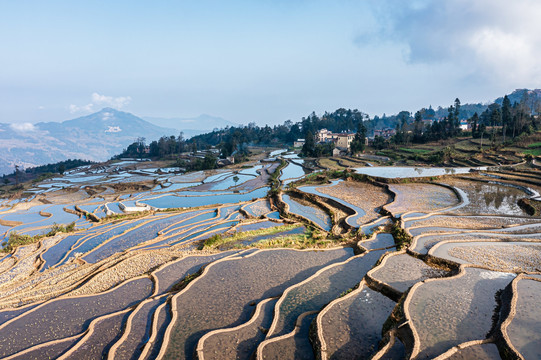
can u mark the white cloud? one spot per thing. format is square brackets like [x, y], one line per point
[23, 127]
[114, 102]
[85, 108]
[493, 40]
[99, 101]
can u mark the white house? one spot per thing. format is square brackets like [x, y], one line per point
[298, 143]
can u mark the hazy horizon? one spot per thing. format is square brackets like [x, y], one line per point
[262, 62]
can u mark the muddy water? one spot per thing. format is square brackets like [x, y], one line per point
[471, 222]
[396, 351]
[320, 290]
[163, 320]
[369, 228]
[179, 269]
[221, 297]
[501, 256]
[420, 197]
[525, 328]
[403, 271]
[106, 332]
[240, 342]
[352, 327]
[6, 315]
[478, 352]
[69, 316]
[51, 351]
[139, 331]
[425, 243]
[466, 303]
[258, 208]
[297, 346]
[381, 241]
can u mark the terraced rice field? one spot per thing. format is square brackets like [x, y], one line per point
[144, 282]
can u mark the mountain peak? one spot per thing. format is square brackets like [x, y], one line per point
[110, 110]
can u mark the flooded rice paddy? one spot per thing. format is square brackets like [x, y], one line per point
[211, 264]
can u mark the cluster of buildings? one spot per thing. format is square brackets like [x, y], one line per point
[342, 141]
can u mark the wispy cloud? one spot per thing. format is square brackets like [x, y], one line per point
[84, 108]
[496, 40]
[23, 127]
[114, 102]
[98, 101]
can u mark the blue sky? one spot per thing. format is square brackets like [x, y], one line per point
[264, 61]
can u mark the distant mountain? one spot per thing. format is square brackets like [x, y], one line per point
[192, 126]
[467, 110]
[95, 137]
[518, 94]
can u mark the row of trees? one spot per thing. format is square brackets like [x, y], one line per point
[508, 119]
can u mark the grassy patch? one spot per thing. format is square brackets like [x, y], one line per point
[218, 240]
[313, 238]
[273, 179]
[401, 237]
[534, 145]
[184, 282]
[15, 239]
[533, 152]
[300, 241]
[127, 216]
[415, 151]
[330, 164]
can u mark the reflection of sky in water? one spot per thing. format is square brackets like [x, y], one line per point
[292, 171]
[352, 221]
[317, 215]
[277, 152]
[405, 172]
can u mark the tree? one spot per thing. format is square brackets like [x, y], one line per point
[236, 179]
[18, 173]
[507, 118]
[141, 146]
[495, 119]
[418, 127]
[209, 162]
[61, 168]
[358, 143]
[474, 121]
[379, 142]
[309, 144]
